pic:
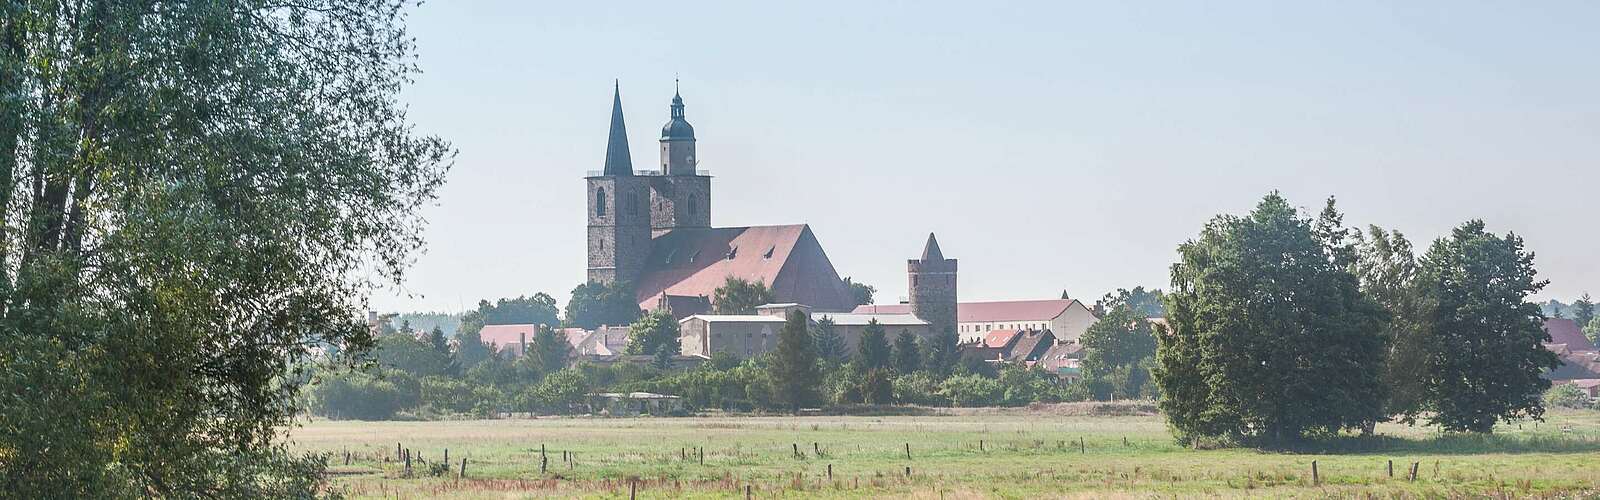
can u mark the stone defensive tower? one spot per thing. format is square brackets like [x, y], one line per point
[619, 213]
[680, 197]
[932, 287]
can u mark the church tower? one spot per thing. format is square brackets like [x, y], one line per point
[681, 196]
[933, 287]
[619, 221]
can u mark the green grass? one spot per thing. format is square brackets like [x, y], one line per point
[1024, 455]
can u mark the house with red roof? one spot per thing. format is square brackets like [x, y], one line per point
[1580, 360]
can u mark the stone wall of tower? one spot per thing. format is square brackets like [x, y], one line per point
[680, 201]
[932, 286]
[619, 227]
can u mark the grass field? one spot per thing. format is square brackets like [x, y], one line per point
[1017, 454]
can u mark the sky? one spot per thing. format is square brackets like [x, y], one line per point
[1051, 146]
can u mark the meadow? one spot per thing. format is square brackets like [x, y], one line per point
[1061, 451]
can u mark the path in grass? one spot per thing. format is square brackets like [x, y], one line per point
[1015, 456]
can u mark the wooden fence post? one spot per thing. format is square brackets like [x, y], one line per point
[633, 489]
[1391, 468]
[816, 449]
[1083, 449]
[830, 472]
[1315, 478]
[463, 472]
[908, 451]
[747, 492]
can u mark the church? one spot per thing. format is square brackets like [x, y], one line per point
[652, 229]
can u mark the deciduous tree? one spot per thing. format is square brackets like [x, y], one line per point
[1487, 339]
[653, 331]
[1272, 338]
[740, 296]
[596, 304]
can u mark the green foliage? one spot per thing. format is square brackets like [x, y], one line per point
[1253, 300]
[549, 350]
[972, 390]
[873, 351]
[363, 396]
[194, 195]
[793, 370]
[596, 304]
[450, 323]
[860, 293]
[1022, 385]
[831, 347]
[652, 333]
[1566, 396]
[740, 296]
[921, 388]
[943, 354]
[561, 392]
[1114, 347]
[456, 396]
[1387, 268]
[662, 359]
[1592, 330]
[877, 386]
[1486, 339]
[1142, 302]
[907, 356]
[1583, 310]
[411, 355]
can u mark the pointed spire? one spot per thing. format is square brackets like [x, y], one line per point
[930, 251]
[618, 161]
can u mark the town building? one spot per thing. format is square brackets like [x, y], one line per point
[1580, 360]
[1067, 319]
[1010, 346]
[652, 229]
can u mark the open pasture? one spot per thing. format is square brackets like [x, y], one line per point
[1016, 454]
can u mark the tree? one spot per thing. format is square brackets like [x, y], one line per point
[740, 296]
[874, 346]
[596, 304]
[438, 341]
[943, 353]
[1144, 303]
[540, 309]
[411, 355]
[652, 332]
[907, 356]
[1113, 348]
[1487, 338]
[1387, 268]
[860, 293]
[1253, 298]
[1592, 330]
[830, 346]
[793, 369]
[197, 197]
[663, 357]
[1583, 310]
[550, 350]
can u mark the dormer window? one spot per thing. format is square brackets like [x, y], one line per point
[769, 251]
[733, 253]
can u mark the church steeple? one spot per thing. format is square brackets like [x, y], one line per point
[618, 161]
[930, 250]
[677, 141]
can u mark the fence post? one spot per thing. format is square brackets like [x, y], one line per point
[908, 471]
[908, 452]
[633, 487]
[815, 449]
[1315, 478]
[1391, 468]
[830, 472]
[463, 471]
[1082, 448]
[747, 492]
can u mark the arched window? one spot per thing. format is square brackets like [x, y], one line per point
[600, 202]
[692, 204]
[633, 203]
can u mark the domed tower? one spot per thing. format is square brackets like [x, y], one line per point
[681, 196]
[933, 287]
[618, 217]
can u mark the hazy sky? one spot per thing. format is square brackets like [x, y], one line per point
[1050, 145]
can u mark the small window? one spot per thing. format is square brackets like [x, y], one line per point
[600, 202]
[913, 280]
[693, 255]
[768, 254]
[692, 204]
[733, 252]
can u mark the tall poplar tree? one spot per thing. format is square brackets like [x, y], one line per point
[873, 349]
[907, 357]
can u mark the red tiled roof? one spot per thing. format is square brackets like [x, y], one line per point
[999, 339]
[504, 335]
[694, 262]
[977, 312]
[1566, 331]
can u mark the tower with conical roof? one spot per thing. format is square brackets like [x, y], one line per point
[681, 196]
[618, 209]
[932, 287]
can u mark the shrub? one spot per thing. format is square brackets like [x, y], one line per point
[1566, 396]
[919, 388]
[363, 396]
[972, 390]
